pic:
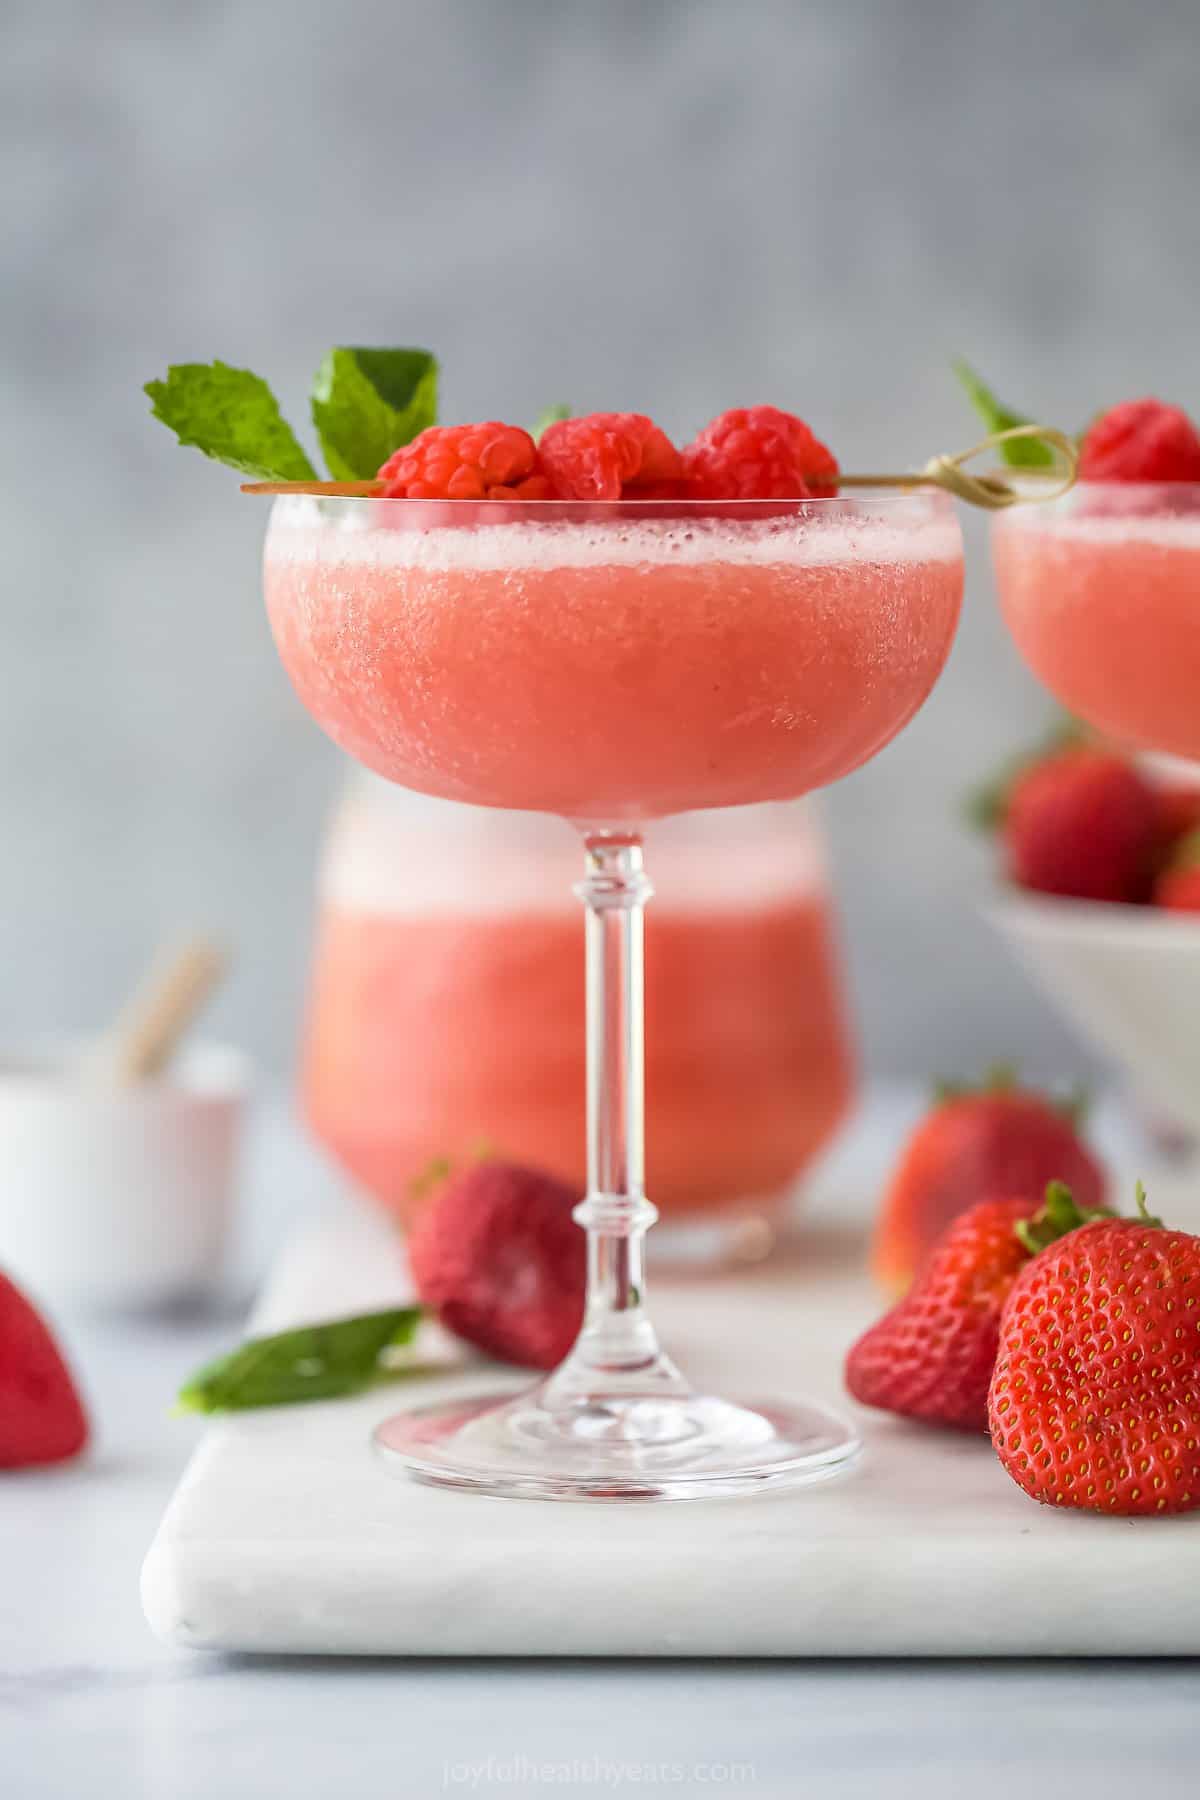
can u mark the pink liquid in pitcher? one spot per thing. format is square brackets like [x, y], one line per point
[447, 1006]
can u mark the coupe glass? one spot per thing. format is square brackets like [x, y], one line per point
[612, 664]
[1101, 591]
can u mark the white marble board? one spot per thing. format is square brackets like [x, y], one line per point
[286, 1535]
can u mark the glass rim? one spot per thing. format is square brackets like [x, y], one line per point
[929, 498]
[1124, 502]
[1115, 488]
[1136, 487]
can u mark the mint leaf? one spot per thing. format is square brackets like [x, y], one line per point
[312, 1362]
[551, 416]
[233, 417]
[366, 403]
[1022, 453]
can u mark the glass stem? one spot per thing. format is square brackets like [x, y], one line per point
[616, 1213]
[618, 1347]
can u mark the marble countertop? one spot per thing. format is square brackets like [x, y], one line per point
[89, 1700]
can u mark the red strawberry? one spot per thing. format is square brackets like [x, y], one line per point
[1179, 890]
[1095, 1399]
[41, 1417]
[931, 1356]
[1178, 813]
[970, 1147]
[497, 1254]
[1140, 440]
[1083, 823]
[1178, 886]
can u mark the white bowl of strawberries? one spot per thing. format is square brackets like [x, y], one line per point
[1102, 905]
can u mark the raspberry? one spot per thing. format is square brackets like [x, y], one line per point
[758, 453]
[610, 456]
[1141, 440]
[490, 461]
[498, 1256]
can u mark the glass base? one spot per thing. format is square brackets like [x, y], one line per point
[619, 1447]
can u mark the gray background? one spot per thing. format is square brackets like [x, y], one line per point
[674, 207]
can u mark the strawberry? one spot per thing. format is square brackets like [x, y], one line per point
[1095, 1398]
[1084, 824]
[496, 1253]
[971, 1146]
[41, 1416]
[1178, 890]
[1178, 813]
[931, 1356]
[1059, 855]
[1178, 886]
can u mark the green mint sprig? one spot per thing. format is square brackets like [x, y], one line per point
[232, 416]
[310, 1362]
[1019, 453]
[365, 404]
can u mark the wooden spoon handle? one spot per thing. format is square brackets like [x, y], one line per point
[160, 1011]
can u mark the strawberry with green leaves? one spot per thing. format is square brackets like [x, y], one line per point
[931, 1356]
[1095, 1396]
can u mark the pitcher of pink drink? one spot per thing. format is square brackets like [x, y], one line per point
[446, 1005]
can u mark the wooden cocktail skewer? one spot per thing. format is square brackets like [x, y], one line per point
[333, 490]
[148, 1028]
[991, 491]
[997, 489]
